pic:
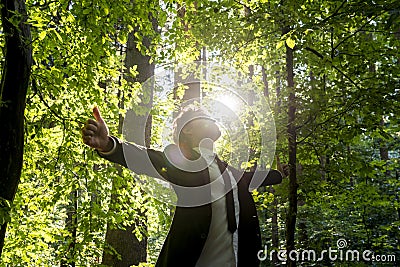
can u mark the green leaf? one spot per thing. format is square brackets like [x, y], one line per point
[279, 44]
[58, 36]
[290, 42]
[42, 35]
[106, 11]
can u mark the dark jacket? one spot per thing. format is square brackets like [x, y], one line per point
[190, 225]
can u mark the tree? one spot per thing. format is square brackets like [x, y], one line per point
[14, 86]
[292, 143]
[126, 248]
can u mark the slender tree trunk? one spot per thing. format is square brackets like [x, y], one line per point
[191, 81]
[275, 202]
[397, 35]
[383, 149]
[13, 89]
[398, 201]
[265, 82]
[251, 95]
[71, 225]
[127, 245]
[274, 226]
[291, 130]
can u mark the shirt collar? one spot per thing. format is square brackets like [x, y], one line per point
[206, 153]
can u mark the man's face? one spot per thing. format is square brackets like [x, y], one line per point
[200, 129]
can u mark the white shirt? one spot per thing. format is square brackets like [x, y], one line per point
[220, 249]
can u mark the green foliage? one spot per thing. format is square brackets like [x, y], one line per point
[5, 208]
[62, 205]
[345, 69]
[347, 91]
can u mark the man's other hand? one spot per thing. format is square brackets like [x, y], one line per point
[284, 169]
[95, 133]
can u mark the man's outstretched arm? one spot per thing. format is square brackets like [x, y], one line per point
[137, 158]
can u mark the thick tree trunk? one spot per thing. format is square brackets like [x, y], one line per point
[127, 245]
[13, 89]
[292, 210]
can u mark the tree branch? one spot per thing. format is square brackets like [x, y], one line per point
[37, 91]
[355, 32]
[335, 13]
[315, 52]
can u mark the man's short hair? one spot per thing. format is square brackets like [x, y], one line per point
[184, 116]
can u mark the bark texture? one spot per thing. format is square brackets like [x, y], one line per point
[291, 130]
[129, 249]
[13, 88]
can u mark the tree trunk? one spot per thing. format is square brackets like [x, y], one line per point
[71, 225]
[275, 202]
[397, 35]
[398, 201]
[191, 81]
[278, 90]
[383, 149]
[274, 227]
[265, 82]
[126, 244]
[13, 89]
[291, 130]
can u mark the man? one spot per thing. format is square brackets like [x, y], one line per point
[215, 222]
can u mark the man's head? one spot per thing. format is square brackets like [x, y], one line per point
[192, 126]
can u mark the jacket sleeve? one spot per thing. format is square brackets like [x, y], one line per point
[261, 178]
[271, 177]
[258, 178]
[138, 159]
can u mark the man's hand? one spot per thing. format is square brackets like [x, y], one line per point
[282, 167]
[95, 133]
